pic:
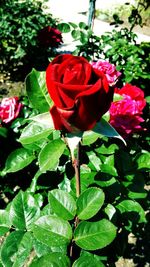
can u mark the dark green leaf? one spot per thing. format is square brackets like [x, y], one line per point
[62, 204]
[50, 154]
[82, 25]
[64, 27]
[130, 206]
[52, 231]
[94, 235]
[37, 91]
[89, 203]
[52, 260]
[24, 210]
[3, 132]
[75, 34]
[84, 38]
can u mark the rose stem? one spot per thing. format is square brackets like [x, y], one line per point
[76, 165]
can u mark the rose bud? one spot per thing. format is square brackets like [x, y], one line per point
[80, 93]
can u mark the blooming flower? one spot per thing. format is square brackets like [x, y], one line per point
[80, 93]
[109, 69]
[50, 37]
[9, 109]
[125, 114]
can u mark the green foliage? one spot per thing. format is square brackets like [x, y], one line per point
[45, 216]
[119, 47]
[55, 222]
[20, 23]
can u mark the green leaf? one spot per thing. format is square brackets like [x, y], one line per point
[24, 249]
[52, 231]
[89, 137]
[18, 159]
[104, 128]
[10, 247]
[34, 132]
[110, 211]
[37, 91]
[44, 118]
[94, 235]
[62, 204]
[107, 150]
[24, 210]
[130, 206]
[94, 161]
[106, 168]
[73, 25]
[50, 154]
[64, 27]
[76, 34]
[84, 38]
[89, 203]
[52, 260]
[3, 132]
[42, 249]
[143, 161]
[88, 260]
[5, 223]
[82, 25]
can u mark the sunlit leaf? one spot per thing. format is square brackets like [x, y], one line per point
[52, 231]
[94, 235]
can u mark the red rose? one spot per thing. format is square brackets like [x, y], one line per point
[80, 93]
[49, 36]
[125, 114]
[9, 109]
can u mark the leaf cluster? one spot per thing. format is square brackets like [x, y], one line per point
[20, 23]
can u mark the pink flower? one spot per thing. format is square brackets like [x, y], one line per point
[108, 69]
[9, 109]
[135, 93]
[125, 114]
[50, 37]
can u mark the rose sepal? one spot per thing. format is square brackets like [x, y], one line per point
[102, 128]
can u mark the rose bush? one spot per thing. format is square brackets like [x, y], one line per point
[81, 93]
[125, 114]
[9, 109]
[109, 69]
[50, 37]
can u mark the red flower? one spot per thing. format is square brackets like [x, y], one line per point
[9, 109]
[80, 93]
[125, 114]
[50, 37]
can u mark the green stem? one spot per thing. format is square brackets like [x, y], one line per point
[76, 165]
